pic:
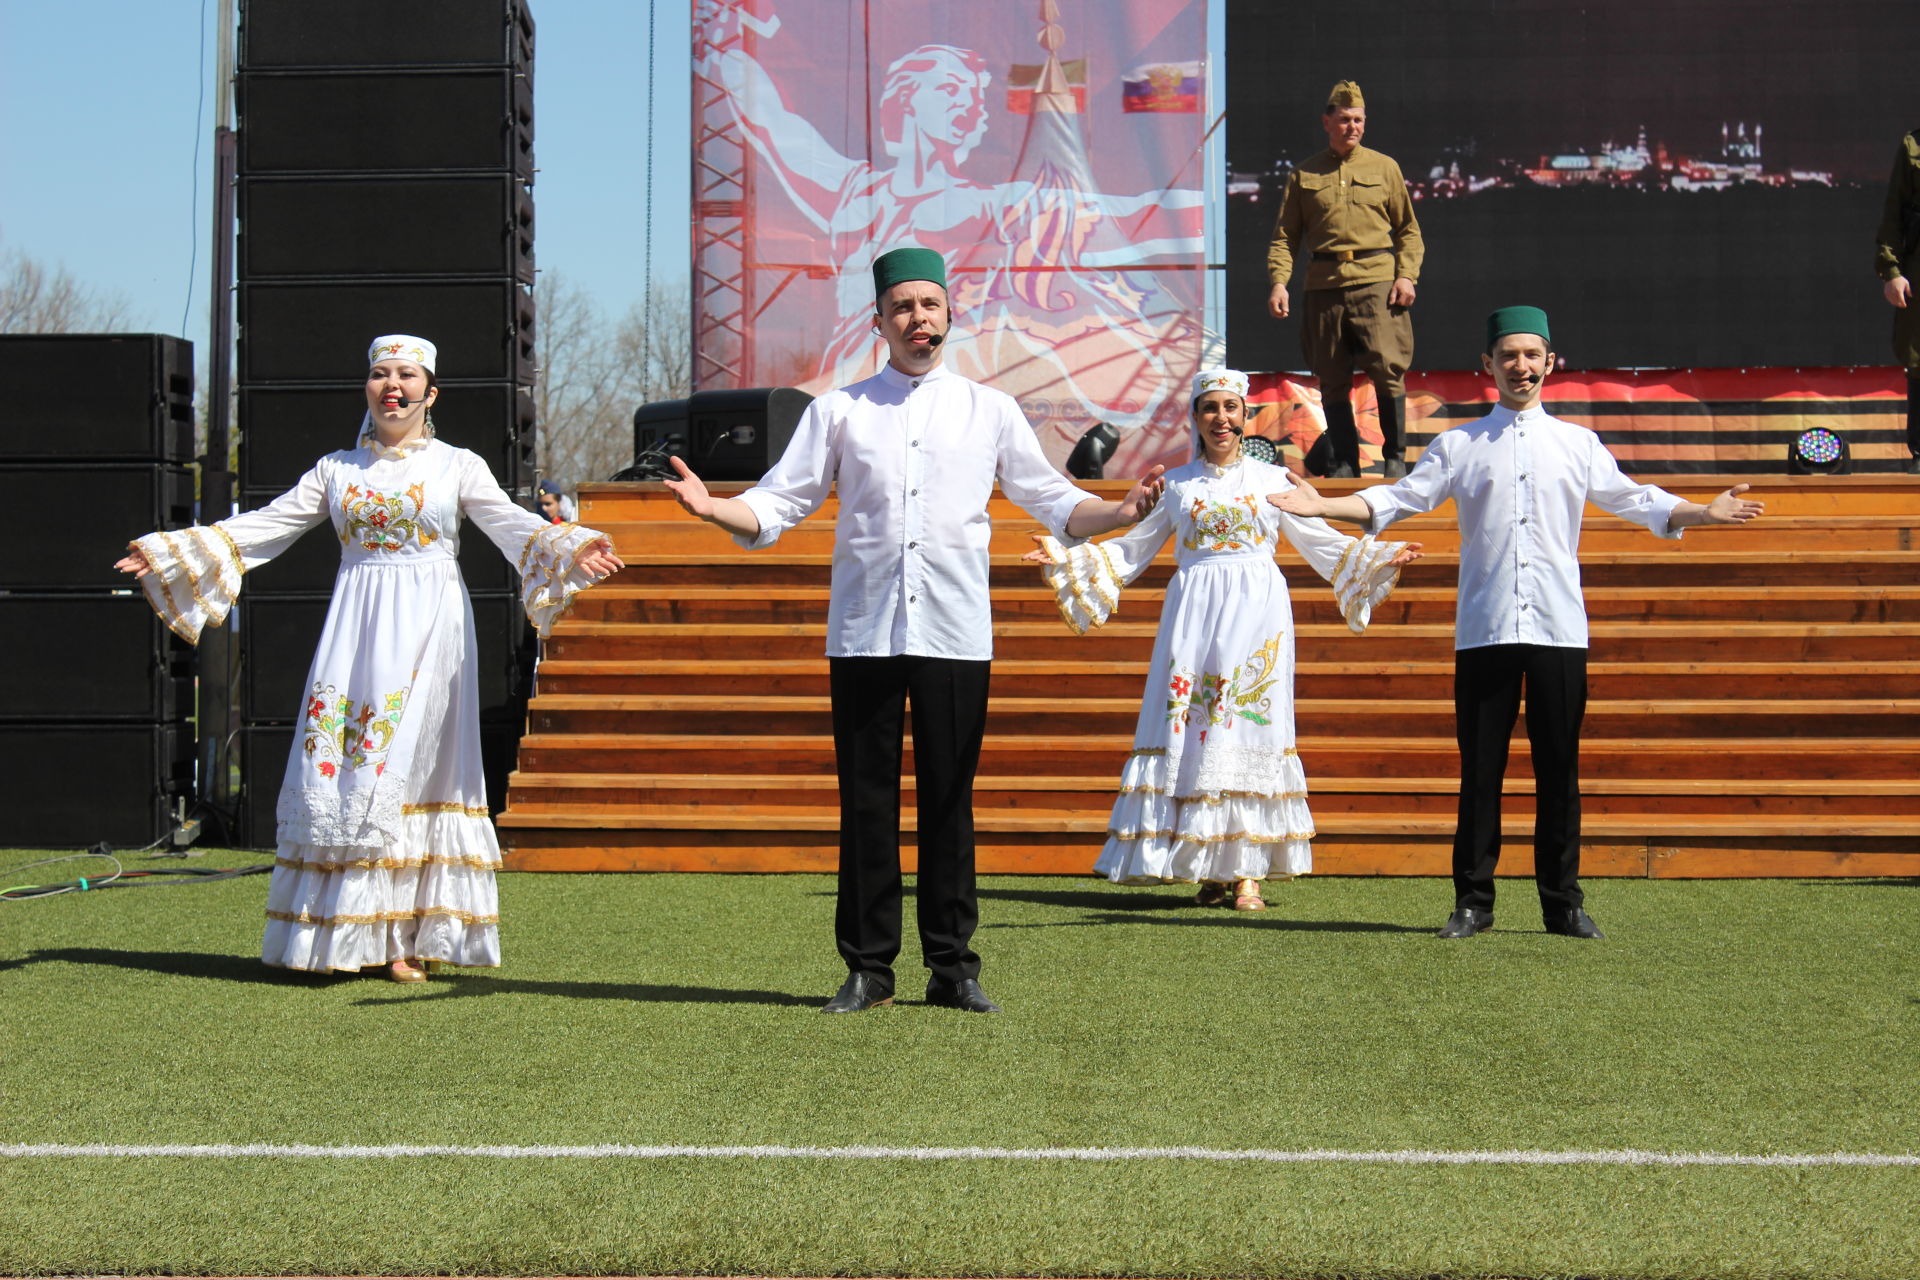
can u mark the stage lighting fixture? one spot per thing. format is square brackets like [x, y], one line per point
[1259, 448]
[1088, 461]
[1818, 452]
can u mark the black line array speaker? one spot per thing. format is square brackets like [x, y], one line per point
[96, 693]
[105, 397]
[385, 161]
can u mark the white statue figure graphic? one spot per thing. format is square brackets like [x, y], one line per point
[1051, 297]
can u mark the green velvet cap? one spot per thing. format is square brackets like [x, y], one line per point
[1517, 320]
[913, 263]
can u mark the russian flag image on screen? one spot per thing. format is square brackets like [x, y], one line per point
[1162, 86]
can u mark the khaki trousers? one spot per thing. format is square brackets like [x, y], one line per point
[1344, 327]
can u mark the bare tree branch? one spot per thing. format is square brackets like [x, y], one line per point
[593, 375]
[38, 299]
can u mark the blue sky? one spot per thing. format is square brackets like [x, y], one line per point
[98, 103]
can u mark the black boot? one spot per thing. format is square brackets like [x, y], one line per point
[1343, 438]
[1393, 449]
[1913, 421]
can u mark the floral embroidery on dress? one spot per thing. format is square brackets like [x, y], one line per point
[1211, 699]
[344, 734]
[385, 522]
[1223, 526]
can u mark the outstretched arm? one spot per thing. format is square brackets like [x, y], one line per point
[1727, 508]
[1307, 502]
[1094, 516]
[731, 514]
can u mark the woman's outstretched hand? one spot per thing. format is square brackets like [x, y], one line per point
[600, 560]
[1408, 554]
[1039, 553]
[134, 562]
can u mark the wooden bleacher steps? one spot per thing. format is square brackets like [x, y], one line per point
[1754, 709]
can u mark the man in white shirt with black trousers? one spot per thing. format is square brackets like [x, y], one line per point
[1520, 479]
[914, 451]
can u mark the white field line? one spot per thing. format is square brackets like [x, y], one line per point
[623, 1151]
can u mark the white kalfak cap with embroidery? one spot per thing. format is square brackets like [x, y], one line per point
[403, 346]
[1219, 380]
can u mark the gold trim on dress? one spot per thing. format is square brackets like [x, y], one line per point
[1216, 797]
[1246, 837]
[387, 864]
[239, 561]
[446, 806]
[381, 917]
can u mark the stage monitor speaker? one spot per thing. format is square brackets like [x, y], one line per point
[343, 226]
[266, 749]
[361, 122]
[97, 397]
[317, 332]
[102, 656]
[278, 636]
[283, 430]
[366, 33]
[83, 516]
[309, 566]
[69, 786]
[663, 422]
[737, 435]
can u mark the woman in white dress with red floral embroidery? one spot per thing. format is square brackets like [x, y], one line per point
[1214, 792]
[385, 853]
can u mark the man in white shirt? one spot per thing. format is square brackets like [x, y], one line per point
[914, 452]
[1520, 479]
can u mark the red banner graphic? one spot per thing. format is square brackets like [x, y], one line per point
[1072, 225]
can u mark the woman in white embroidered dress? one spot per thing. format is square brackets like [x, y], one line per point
[385, 856]
[1214, 792]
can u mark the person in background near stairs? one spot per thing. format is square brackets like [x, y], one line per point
[1214, 793]
[1520, 479]
[1897, 256]
[914, 453]
[1347, 212]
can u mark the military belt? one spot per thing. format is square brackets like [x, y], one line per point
[1348, 255]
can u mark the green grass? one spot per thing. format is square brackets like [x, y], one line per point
[1731, 1016]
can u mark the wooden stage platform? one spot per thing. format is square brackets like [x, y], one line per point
[1755, 701]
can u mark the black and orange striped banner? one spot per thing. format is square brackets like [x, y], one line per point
[1655, 421]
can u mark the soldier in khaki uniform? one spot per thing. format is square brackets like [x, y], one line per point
[1347, 211]
[1898, 254]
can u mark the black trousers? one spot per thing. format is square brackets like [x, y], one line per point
[949, 701]
[1486, 701]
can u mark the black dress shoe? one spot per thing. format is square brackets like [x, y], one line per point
[1465, 922]
[1573, 924]
[1913, 465]
[860, 992]
[1344, 471]
[1393, 468]
[964, 994]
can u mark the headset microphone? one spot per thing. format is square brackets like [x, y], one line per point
[935, 339]
[1237, 431]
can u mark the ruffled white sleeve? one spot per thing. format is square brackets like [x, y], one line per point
[1087, 578]
[1359, 568]
[543, 552]
[197, 571]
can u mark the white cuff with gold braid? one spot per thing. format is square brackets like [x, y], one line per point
[1083, 581]
[195, 580]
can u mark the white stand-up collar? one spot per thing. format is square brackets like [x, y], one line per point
[907, 382]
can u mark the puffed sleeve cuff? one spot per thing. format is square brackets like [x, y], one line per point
[1084, 583]
[195, 580]
[549, 578]
[1364, 577]
[770, 526]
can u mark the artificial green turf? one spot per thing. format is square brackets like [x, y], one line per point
[1731, 1016]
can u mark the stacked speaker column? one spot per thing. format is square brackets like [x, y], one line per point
[96, 694]
[385, 172]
